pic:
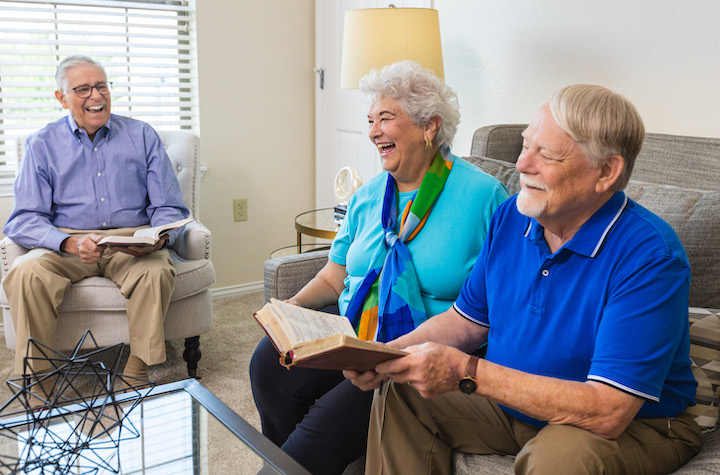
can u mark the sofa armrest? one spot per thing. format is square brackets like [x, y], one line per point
[193, 242]
[501, 142]
[10, 251]
[285, 276]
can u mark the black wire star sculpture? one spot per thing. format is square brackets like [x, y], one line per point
[74, 414]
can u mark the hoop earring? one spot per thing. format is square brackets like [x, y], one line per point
[428, 144]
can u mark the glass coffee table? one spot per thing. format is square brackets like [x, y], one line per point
[178, 428]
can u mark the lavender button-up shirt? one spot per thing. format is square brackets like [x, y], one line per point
[123, 178]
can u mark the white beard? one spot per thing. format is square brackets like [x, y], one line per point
[529, 206]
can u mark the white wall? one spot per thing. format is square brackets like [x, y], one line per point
[504, 58]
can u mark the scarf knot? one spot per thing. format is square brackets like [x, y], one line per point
[390, 238]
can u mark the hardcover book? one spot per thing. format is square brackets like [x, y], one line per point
[144, 236]
[312, 339]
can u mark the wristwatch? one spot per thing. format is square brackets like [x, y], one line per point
[468, 384]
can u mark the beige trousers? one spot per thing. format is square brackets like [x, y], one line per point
[409, 434]
[37, 283]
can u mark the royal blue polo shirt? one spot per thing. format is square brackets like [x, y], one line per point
[611, 305]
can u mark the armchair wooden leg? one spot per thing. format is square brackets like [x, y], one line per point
[192, 355]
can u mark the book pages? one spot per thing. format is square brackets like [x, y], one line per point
[302, 324]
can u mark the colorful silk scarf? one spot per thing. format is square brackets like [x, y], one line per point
[388, 303]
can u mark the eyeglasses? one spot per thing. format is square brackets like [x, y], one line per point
[85, 91]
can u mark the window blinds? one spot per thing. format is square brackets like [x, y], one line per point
[147, 47]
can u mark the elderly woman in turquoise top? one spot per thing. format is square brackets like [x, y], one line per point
[407, 244]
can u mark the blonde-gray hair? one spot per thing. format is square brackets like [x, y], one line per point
[602, 122]
[420, 94]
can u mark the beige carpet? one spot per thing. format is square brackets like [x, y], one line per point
[223, 369]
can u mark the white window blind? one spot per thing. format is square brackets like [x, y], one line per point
[147, 47]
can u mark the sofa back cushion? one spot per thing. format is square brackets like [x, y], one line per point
[693, 214]
[676, 160]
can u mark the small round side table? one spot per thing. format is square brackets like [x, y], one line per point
[317, 223]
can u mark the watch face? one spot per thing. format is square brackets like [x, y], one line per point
[467, 385]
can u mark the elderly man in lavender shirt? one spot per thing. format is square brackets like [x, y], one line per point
[84, 176]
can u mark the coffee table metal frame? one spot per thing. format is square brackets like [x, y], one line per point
[269, 452]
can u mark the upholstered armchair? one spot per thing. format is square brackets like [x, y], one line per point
[95, 303]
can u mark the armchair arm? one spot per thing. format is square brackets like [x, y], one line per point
[10, 251]
[285, 276]
[193, 242]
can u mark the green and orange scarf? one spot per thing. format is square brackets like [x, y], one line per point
[388, 302]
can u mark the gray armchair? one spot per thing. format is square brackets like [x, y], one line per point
[95, 303]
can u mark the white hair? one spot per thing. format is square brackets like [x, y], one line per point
[70, 62]
[420, 93]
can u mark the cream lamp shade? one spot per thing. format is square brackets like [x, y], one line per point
[376, 37]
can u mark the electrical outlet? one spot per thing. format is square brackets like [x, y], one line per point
[240, 209]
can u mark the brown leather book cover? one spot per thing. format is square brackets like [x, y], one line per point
[340, 352]
[336, 351]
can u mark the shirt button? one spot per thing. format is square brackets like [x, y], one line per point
[104, 224]
[102, 199]
[95, 149]
[545, 272]
[99, 174]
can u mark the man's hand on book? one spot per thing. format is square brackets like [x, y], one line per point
[367, 380]
[141, 251]
[432, 369]
[84, 247]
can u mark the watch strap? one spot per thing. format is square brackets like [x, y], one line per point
[468, 383]
[471, 368]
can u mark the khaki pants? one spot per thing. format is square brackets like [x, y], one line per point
[409, 434]
[37, 283]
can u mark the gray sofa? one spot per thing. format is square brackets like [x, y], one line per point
[676, 177]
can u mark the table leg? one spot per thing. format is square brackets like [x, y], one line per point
[299, 242]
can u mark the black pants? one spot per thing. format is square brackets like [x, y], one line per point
[316, 416]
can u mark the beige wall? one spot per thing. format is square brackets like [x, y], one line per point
[256, 127]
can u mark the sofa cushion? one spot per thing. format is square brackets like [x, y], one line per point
[705, 356]
[693, 216]
[502, 170]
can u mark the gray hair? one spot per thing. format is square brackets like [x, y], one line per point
[602, 122]
[420, 93]
[69, 63]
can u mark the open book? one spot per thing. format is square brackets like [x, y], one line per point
[313, 339]
[144, 236]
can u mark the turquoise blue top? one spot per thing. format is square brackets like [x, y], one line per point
[611, 305]
[445, 249]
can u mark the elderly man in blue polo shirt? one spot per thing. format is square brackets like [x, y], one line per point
[90, 174]
[581, 296]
